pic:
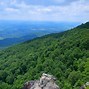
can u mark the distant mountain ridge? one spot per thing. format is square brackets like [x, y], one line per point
[12, 41]
[13, 32]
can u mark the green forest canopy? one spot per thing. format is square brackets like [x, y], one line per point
[64, 55]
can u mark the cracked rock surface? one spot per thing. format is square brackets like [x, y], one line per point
[45, 82]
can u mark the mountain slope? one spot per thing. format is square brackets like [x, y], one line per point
[13, 32]
[12, 41]
[64, 55]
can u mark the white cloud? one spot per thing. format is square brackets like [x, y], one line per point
[76, 11]
[11, 9]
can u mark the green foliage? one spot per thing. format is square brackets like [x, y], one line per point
[87, 87]
[64, 55]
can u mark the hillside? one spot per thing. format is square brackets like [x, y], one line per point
[64, 55]
[12, 41]
[13, 32]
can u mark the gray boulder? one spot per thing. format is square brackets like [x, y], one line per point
[46, 82]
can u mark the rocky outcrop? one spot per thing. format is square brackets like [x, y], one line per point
[85, 86]
[46, 82]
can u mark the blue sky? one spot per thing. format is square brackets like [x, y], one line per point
[45, 10]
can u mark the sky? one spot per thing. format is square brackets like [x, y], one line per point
[45, 10]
